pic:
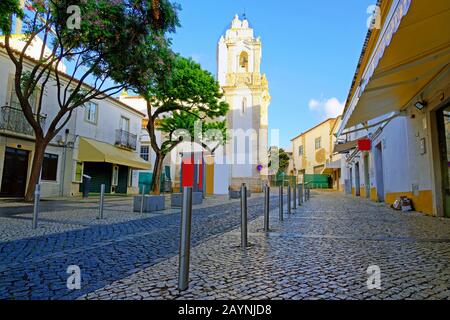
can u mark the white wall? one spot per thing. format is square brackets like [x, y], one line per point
[108, 121]
[221, 178]
[221, 61]
[242, 141]
[403, 163]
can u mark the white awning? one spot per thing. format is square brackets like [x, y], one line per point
[330, 167]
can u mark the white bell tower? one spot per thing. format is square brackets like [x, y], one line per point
[246, 90]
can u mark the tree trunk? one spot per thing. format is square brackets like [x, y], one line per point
[156, 181]
[38, 158]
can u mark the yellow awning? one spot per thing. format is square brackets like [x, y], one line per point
[418, 53]
[95, 151]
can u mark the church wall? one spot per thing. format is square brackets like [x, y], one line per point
[242, 139]
[221, 63]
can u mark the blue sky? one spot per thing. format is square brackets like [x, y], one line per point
[310, 51]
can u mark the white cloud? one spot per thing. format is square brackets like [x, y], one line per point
[327, 108]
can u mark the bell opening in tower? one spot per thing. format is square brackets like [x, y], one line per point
[243, 61]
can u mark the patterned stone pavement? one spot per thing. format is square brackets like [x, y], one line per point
[106, 251]
[75, 213]
[322, 251]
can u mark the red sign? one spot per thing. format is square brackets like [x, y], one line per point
[364, 144]
[187, 169]
[192, 167]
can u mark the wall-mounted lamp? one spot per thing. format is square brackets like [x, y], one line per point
[420, 105]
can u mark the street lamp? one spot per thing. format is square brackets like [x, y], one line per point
[420, 105]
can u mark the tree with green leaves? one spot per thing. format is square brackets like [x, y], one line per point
[179, 98]
[182, 125]
[108, 46]
[284, 160]
[279, 160]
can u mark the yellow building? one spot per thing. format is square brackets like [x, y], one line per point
[312, 151]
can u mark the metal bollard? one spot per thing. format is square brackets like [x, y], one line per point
[102, 201]
[243, 216]
[185, 240]
[300, 195]
[37, 197]
[280, 204]
[266, 207]
[142, 199]
[294, 195]
[289, 199]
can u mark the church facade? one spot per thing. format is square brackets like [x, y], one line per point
[246, 90]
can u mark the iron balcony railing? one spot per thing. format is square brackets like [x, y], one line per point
[125, 139]
[13, 120]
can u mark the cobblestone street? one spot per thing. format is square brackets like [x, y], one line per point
[322, 251]
[34, 266]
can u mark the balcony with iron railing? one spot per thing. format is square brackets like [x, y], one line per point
[13, 120]
[126, 140]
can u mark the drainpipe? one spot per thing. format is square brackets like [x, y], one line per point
[63, 173]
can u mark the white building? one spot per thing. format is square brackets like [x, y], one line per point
[100, 140]
[146, 152]
[246, 90]
[400, 101]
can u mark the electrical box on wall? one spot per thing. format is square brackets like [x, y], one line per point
[415, 190]
[422, 146]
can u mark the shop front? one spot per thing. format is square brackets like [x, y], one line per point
[107, 164]
[404, 78]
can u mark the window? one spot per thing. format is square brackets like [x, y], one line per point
[14, 100]
[243, 61]
[144, 152]
[318, 143]
[124, 124]
[90, 112]
[49, 167]
[78, 172]
[300, 150]
[244, 105]
[115, 175]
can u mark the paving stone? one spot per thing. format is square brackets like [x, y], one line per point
[320, 252]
